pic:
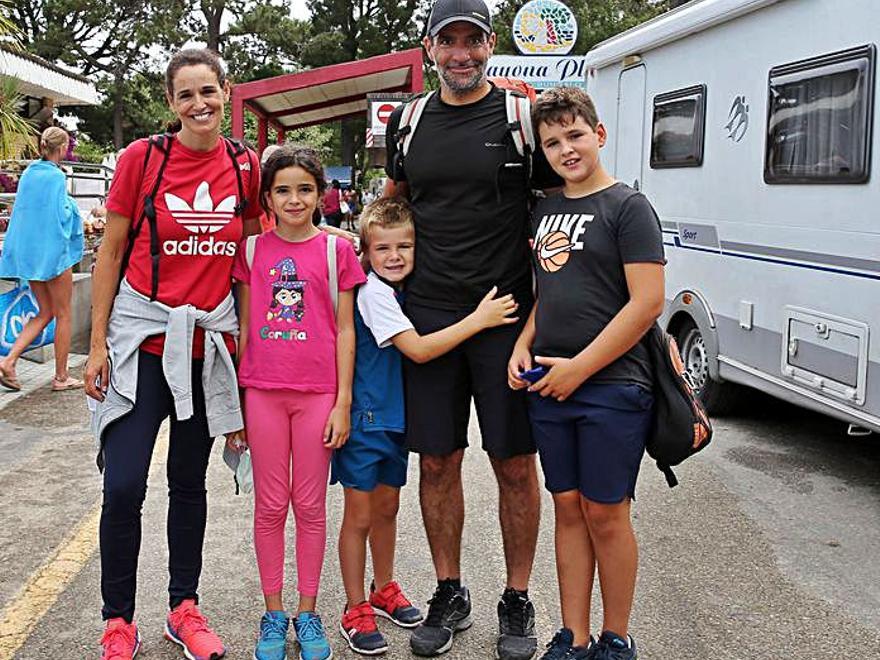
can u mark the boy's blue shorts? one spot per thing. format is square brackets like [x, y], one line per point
[370, 458]
[593, 441]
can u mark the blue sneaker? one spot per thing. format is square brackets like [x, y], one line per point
[559, 647]
[614, 647]
[313, 644]
[272, 644]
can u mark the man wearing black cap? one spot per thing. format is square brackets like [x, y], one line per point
[470, 192]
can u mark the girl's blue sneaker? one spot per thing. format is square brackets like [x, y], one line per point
[272, 644]
[313, 644]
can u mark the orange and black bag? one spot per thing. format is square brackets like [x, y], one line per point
[680, 427]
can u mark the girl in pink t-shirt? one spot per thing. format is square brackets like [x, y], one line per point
[296, 364]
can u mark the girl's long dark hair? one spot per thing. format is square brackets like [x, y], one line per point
[290, 155]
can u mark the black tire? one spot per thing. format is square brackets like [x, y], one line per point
[719, 397]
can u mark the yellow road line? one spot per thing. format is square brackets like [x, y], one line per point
[49, 581]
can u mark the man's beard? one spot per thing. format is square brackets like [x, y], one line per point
[457, 85]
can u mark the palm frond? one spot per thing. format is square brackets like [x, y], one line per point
[9, 31]
[16, 132]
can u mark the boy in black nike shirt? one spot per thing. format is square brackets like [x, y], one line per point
[599, 263]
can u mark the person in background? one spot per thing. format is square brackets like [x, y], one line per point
[43, 243]
[332, 199]
[45, 116]
[267, 220]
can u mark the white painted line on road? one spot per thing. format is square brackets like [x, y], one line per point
[49, 581]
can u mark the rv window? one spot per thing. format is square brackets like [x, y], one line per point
[677, 134]
[819, 119]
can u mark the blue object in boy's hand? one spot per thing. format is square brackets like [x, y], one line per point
[534, 375]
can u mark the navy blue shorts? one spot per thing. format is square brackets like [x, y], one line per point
[370, 458]
[593, 441]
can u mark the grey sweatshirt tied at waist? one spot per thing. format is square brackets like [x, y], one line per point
[134, 318]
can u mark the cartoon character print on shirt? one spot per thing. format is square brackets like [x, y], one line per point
[287, 293]
[559, 235]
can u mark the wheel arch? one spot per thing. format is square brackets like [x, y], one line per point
[690, 305]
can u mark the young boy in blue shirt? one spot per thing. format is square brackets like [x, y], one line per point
[372, 465]
[599, 269]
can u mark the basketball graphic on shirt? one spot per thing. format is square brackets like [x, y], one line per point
[553, 251]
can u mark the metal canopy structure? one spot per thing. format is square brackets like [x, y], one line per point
[317, 96]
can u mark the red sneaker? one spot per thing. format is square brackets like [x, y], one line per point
[358, 626]
[390, 603]
[121, 640]
[188, 627]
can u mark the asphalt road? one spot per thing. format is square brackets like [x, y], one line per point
[769, 548]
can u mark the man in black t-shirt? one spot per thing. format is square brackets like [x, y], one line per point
[470, 192]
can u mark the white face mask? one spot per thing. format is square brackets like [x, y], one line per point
[240, 464]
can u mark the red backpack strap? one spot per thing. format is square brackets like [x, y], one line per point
[235, 149]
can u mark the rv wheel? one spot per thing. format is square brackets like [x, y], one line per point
[719, 397]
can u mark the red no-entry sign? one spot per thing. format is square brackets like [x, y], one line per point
[383, 112]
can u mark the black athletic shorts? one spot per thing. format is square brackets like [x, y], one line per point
[439, 392]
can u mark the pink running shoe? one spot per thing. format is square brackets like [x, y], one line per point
[121, 640]
[188, 627]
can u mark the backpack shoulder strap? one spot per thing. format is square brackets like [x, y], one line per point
[519, 122]
[235, 149]
[250, 247]
[331, 271]
[163, 144]
[238, 147]
[409, 120]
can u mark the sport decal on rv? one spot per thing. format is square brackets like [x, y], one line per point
[738, 119]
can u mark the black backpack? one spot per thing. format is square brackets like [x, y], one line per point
[163, 143]
[680, 427]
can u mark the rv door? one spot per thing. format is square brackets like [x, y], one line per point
[630, 127]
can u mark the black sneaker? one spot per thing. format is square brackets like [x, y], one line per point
[516, 627]
[449, 612]
[615, 647]
[559, 647]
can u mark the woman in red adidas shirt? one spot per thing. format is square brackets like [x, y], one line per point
[206, 198]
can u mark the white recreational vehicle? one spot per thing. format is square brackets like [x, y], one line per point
[750, 125]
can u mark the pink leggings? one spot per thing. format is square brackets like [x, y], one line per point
[283, 428]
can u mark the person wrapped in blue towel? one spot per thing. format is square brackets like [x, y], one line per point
[43, 243]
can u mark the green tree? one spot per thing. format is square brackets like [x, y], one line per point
[264, 41]
[346, 30]
[16, 132]
[112, 41]
[144, 109]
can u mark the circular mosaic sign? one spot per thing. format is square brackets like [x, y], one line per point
[544, 27]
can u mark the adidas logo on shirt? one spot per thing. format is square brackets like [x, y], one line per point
[201, 218]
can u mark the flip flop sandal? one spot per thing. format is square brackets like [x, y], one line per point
[69, 384]
[9, 382]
